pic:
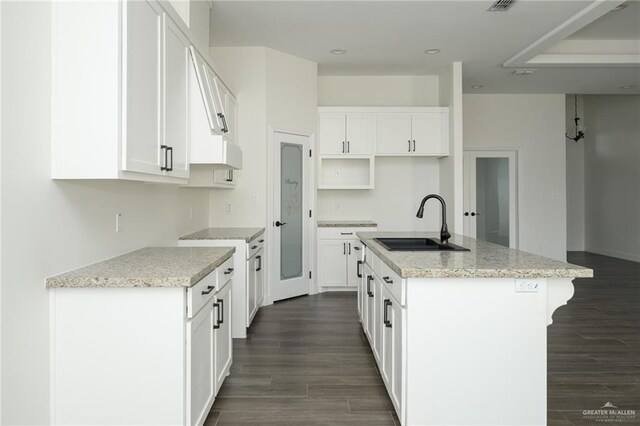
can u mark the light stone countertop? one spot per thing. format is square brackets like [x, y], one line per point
[247, 234]
[147, 267]
[346, 224]
[485, 260]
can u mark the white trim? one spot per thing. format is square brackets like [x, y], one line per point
[270, 247]
[613, 253]
[586, 16]
[356, 109]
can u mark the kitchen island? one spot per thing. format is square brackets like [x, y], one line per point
[460, 338]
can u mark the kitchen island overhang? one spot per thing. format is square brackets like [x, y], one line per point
[461, 337]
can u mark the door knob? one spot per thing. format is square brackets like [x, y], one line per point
[278, 223]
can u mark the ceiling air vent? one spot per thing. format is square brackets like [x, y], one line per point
[501, 6]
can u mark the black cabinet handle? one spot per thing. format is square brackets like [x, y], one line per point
[259, 259]
[349, 248]
[229, 175]
[221, 311]
[409, 145]
[348, 149]
[346, 233]
[357, 248]
[228, 271]
[343, 147]
[254, 247]
[170, 149]
[387, 322]
[358, 264]
[414, 145]
[164, 147]
[387, 280]
[209, 290]
[225, 129]
[261, 241]
[344, 248]
[217, 307]
[369, 279]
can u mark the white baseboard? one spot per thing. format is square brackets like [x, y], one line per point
[324, 289]
[613, 253]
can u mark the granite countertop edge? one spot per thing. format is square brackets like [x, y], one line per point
[483, 272]
[67, 280]
[225, 234]
[346, 224]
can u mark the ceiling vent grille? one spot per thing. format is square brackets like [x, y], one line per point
[501, 6]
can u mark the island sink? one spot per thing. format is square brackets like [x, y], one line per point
[417, 244]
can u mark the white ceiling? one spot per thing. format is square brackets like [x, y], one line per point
[389, 38]
[622, 24]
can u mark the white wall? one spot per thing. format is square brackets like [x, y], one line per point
[274, 89]
[52, 226]
[535, 126]
[400, 182]
[612, 175]
[575, 180]
[384, 90]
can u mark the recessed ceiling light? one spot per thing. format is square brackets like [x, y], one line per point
[620, 7]
[477, 86]
[338, 51]
[524, 72]
[432, 51]
[628, 86]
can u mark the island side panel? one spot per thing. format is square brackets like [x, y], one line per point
[117, 356]
[476, 352]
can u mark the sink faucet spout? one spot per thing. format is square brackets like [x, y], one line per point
[444, 230]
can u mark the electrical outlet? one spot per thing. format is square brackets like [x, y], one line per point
[118, 222]
[228, 209]
[338, 173]
[254, 199]
[527, 286]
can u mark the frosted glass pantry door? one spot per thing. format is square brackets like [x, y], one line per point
[291, 198]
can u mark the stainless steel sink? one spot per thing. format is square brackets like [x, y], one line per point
[417, 244]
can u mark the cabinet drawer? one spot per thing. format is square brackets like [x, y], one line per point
[341, 233]
[202, 292]
[393, 283]
[224, 273]
[255, 246]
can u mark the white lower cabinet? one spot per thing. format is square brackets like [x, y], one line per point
[222, 334]
[383, 319]
[159, 354]
[340, 255]
[255, 284]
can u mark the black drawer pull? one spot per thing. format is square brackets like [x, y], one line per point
[209, 290]
[387, 322]
[228, 271]
[346, 233]
[254, 247]
[369, 279]
[387, 280]
[222, 312]
[358, 264]
[261, 241]
[259, 259]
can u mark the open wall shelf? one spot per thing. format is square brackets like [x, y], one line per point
[339, 172]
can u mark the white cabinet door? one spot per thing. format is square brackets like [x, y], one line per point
[175, 117]
[230, 114]
[223, 338]
[354, 268]
[393, 134]
[333, 263]
[396, 318]
[200, 365]
[367, 303]
[360, 133]
[387, 339]
[332, 129]
[429, 130]
[251, 288]
[260, 279]
[142, 26]
[376, 321]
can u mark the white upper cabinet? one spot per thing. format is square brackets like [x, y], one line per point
[175, 118]
[419, 133]
[342, 133]
[393, 134]
[121, 113]
[230, 115]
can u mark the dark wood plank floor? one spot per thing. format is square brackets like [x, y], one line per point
[307, 362]
[593, 344]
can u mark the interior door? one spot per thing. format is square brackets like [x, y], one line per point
[490, 196]
[292, 225]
